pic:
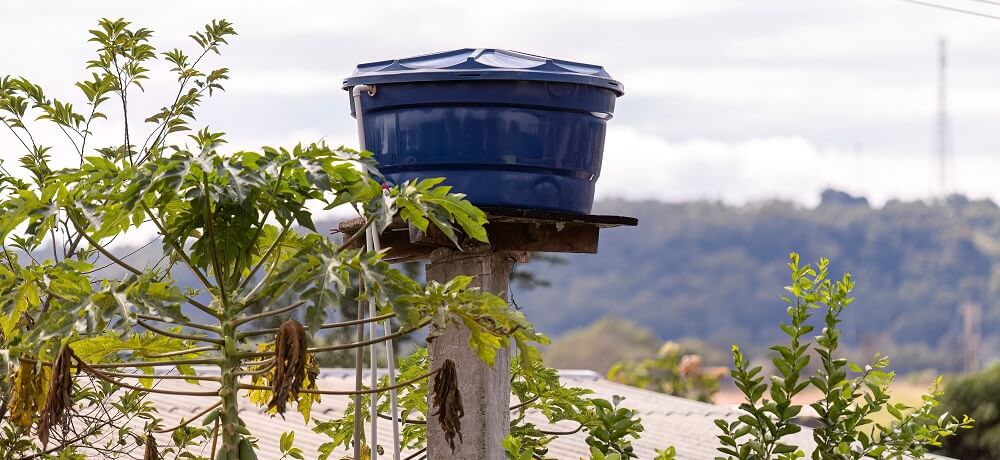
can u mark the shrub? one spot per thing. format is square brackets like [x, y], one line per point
[979, 396]
[672, 372]
[851, 394]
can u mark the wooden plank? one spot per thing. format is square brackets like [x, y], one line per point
[544, 238]
[546, 216]
[509, 230]
[514, 236]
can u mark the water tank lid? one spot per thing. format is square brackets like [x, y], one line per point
[480, 64]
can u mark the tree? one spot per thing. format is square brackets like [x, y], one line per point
[237, 223]
[605, 342]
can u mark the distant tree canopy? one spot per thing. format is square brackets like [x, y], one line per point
[708, 270]
[601, 345]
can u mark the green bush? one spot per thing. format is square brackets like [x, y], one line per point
[673, 372]
[979, 396]
[851, 394]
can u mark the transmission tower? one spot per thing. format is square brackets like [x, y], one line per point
[942, 145]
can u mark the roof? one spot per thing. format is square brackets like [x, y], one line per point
[481, 64]
[668, 420]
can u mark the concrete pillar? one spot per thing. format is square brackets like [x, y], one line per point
[485, 391]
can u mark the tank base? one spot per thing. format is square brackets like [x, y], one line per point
[513, 189]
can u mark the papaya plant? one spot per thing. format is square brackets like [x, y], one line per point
[77, 311]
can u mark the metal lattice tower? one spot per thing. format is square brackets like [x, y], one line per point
[942, 143]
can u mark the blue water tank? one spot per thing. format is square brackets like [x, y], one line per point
[508, 129]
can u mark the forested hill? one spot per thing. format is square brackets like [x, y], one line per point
[716, 272]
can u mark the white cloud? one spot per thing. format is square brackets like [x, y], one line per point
[742, 93]
[643, 166]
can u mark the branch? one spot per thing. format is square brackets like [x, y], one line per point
[215, 438]
[102, 249]
[274, 244]
[260, 229]
[180, 252]
[349, 392]
[524, 403]
[186, 422]
[404, 420]
[189, 351]
[220, 277]
[123, 92]
[357, 235]
[100, 375]
[86, 132]
[134, 251]
[25, 144]
[177, 335]
[64, 444]
[353, 322]
[190, 324]
[267, 314]
[130, 268]
[346, 346]
[141, 364]
[562, 433]
[138, 364]
[63, 129]
[268, 365]
[162, 376]
[172, 113]
[416, 454]
[55, 251]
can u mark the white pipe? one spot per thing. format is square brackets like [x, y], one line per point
[356, 93]
[373, 355]
[373, 242]
[391, 364]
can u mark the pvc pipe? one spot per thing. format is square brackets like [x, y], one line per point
[356, 93]
[373, 359]
[373, 242]
[391, 364]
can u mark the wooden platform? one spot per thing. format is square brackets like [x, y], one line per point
[528, 230]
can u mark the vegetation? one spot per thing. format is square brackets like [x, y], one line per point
[672, 372]
[598, 347]
[979, 396]
[707, 271]
[239, 222]
[851, 393]
[80, 343]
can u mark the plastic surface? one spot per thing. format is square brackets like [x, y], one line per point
[505, 142]
[481, 64]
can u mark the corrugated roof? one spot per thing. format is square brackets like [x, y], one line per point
[668, 420]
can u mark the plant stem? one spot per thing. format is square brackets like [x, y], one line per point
[336, 325]
[189, 420]
[269, 313]
[230, 386]
[180, 251]
[177, 335]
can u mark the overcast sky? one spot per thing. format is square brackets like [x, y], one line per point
[732, 100]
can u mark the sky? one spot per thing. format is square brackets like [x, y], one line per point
[726, 100]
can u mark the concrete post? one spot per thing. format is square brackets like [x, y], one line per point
[485, 391]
